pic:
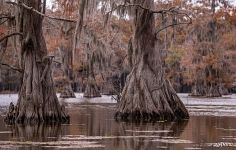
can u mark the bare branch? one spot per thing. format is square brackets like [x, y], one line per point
[9, 35]
[144, 8]
[12, 67]
[39, 13]
[175, 24]
[57, 62]
[3, 21]
[7, 17]
[172, 10]
[171, 25]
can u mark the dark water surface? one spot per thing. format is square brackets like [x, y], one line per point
[92, 127]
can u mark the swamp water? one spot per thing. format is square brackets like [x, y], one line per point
[212, 125]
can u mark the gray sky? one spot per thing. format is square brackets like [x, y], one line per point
[49, 3]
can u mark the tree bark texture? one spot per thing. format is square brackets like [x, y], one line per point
[91, 89]
[67, 91]
[37, 97]
[147, 95]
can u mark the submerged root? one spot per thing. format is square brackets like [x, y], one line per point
[13, 117]
[138, 116]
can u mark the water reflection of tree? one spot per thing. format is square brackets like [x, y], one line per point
[39, 132]
[146, 140]
[99, 122]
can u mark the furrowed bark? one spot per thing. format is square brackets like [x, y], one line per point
[37, 100]
[147, 95]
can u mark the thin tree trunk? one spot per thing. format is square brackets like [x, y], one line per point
[91, 89]
[147, 95]
[198, 89]
[67, 91]
[37, 97]
[78, 29]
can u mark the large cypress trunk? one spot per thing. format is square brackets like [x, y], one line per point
[37, 97]
[147, 95]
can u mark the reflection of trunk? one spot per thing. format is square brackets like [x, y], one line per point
[177, 128]
[37, 97]
[147, 95]
[91, 89]
[67, 91]
[167, 131]
[38, 132]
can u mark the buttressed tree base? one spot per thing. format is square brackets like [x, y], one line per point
[37, 101]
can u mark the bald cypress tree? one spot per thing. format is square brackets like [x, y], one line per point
[37, 100]
[147, 95]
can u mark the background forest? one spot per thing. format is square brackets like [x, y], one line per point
[198, 58]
